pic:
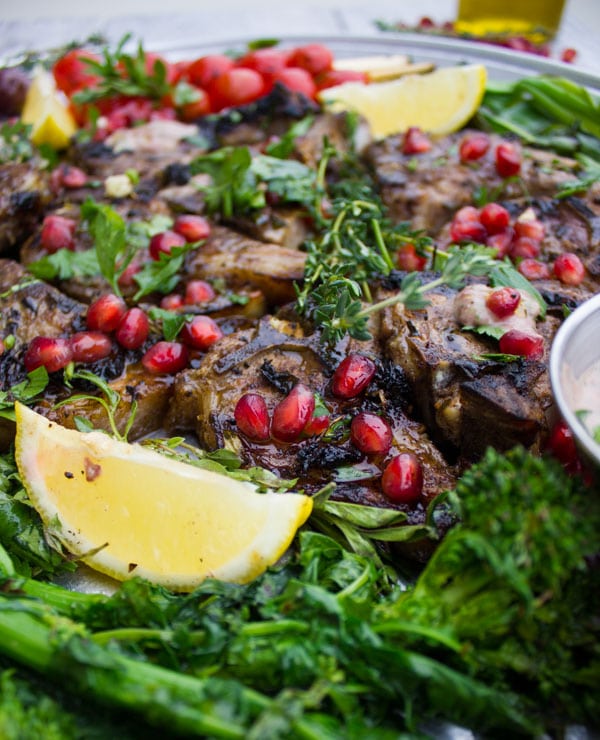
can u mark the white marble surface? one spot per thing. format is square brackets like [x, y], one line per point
[43, 24]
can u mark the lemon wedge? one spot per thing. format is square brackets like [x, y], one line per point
[46, 111]
[439, 102]
[382, 67]
[127, 511]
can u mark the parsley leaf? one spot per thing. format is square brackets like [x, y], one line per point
[161, 275]
[25, 391]
[108, 230]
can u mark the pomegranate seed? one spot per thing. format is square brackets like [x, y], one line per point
[252, 416]
[291, 415]
[192, 228]
[466, 213]
[134, 328]
[561, 445]
[317, 425]
[165, 357]
[534, 269]
[72, 177]
[467, 231]
[501, 242]
[532, 228]
[57, 233]
[569, 269]
[53, 353]
[473, 147]
[402, 479]
[516, 342]
[408, 260]
[198, 291]
[90, 346]
[371, 434]
[415, 141]
[508, 160]
[494, 217]
[524, 247]
[568, 55]
[201, 332]
[503, 302]
[352, 376]
[171, 302]
[126, 278]
[164, 242]
[105, 313]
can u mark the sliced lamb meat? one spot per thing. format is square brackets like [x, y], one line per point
[465, 400]
[271, 359]
[24, 194]
[428, 188]
[242, 261]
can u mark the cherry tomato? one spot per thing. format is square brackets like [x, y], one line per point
[237, 86]
[333, 77]
[206, 69]
[314, 58]
[71, 72]
[195, 108]
[297, 80]
[265, 61]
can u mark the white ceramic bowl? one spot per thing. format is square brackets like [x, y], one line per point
[576, 348]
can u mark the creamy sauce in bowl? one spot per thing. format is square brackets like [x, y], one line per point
[584, 397]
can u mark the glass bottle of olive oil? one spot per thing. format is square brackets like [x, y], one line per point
[538, 20]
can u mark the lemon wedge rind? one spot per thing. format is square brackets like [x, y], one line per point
[439, 102]
[125, 510]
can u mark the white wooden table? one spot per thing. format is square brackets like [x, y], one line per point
[39, 24]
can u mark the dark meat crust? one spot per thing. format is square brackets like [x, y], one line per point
[24, 194]
[427, 189]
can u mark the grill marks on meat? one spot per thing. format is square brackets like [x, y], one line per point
[24, 194]
[269, 359]
[466, 403]
[427, 189]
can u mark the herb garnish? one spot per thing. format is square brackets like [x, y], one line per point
[25, 392]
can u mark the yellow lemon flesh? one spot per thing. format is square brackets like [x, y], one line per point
[52, 122]
[439, 102]
[127, 511]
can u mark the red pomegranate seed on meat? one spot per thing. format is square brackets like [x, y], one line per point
[409, 260]
[503, 302]
[53, 353]
[252, 416]
[533, 269]
[415, 141]
[524, 247]
[501, 242]
[90, 346]
[166, 357]
[467, 231]
[317, 425]
[352, 376]
[164, 242]
[371, 433]
[291, 415]
[198, 291]
[57, 233]
[569, 269]
[508, 160]
[133, 329]
[72, 177]
[191, 227]
[171, 302]
[494, 217]
[473, 147]
[201, 332]
[517, 342]
[532, 228]
[467, 213]
[105, 313]
[402, 479]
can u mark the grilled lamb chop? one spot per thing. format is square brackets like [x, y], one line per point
[24, 194]
[465, 401]
[428, 188]
[270, 359]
